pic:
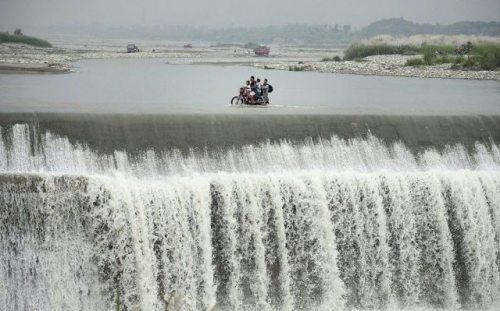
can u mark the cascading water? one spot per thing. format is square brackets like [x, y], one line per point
[324, 224]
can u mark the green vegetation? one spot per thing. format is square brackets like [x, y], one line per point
[362, 50]
[331, 59]
[357, 51]
[415, 62]
[487, 56]
[117, 300]
[5, 37]
[429, 58]
[429, 54]
[295, 68]
[480, 57]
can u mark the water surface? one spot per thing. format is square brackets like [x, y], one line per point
[152, 86]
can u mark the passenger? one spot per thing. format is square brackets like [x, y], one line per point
[265, 91]
[259, 88]
[247, 89]
[253, 88]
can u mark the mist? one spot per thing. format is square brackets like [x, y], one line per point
[224, 13]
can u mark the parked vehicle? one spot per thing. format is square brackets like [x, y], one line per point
[132, 48]
[188, 46]
[262, 51]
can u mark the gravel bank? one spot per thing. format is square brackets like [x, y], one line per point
[387, 65]
[24, 58]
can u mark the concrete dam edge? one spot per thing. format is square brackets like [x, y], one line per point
[135, 133]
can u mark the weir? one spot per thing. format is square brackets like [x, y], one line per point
[367, 213]
[135, 133]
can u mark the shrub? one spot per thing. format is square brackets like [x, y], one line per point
[440, 49]
[428, 53]
[445, 59]
[470, 62]
[8, 38]
[414, 62]
[295, 68]
[458, 60]
[488, 56]
[482, 56]
[361, 51]
[331, 59]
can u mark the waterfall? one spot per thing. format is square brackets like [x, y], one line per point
[323, 224]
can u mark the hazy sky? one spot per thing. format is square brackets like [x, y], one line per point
[41, 13]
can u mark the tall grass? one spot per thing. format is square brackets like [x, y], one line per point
[357, 51]
[482, 56]
[8, 38]
[428, 54]
[488, 56]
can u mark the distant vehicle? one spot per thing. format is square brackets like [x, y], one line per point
[262, 51]
[132, 48]
[188, 46]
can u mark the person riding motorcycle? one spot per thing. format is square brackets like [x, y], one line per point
[253, 92]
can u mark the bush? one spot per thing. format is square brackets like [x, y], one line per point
[445, 59]
[440, 49]
[487, 56]
[484, 56]
[428, 53]
[357, 51]
[8, 38]
[458, 60]
[295, 68]
[414, 62]
[331, 59]
[470, 62]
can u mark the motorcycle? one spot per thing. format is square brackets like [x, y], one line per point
[245, 98]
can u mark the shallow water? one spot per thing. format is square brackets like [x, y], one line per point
[152, 86]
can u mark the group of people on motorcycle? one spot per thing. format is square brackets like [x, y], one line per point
[257, 92]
